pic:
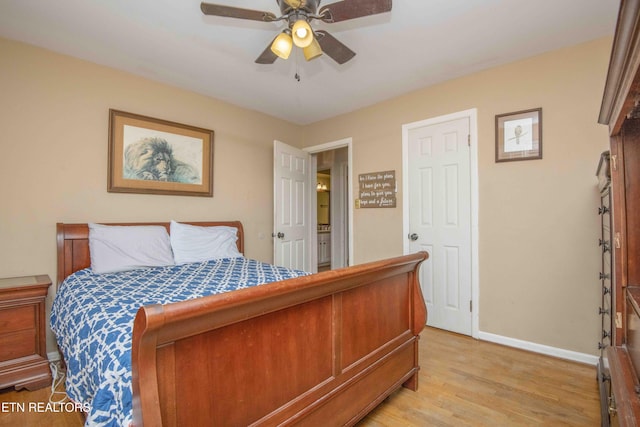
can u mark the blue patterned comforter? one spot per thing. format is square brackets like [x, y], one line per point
[92, 317]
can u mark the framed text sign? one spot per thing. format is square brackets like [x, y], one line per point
[377, 189]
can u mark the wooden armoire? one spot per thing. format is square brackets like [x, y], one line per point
[621, 112]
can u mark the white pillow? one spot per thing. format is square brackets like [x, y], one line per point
[121, 248]
[192, 243]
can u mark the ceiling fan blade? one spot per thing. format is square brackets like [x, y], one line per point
[236, 12]
[267, 56]
[351, 9]
[334, 48]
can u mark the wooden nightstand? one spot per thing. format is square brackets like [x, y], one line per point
[23, 353]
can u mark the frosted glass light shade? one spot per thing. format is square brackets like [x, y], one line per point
[302, 34]
[313, 50]
[282, 45]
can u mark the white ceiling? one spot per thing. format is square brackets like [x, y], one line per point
[419, 43]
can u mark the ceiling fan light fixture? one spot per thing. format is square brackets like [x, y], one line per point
[312, 51]
[282, 45]
[294, 3]
[297, 15]
[302, 33]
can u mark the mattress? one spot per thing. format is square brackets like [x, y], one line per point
[92, 317]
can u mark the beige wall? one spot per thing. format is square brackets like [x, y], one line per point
[538, 235]
[538, 227]
[53, 167]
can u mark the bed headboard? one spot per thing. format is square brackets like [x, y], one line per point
[73, 243]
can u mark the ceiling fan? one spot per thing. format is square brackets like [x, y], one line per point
[298, 14]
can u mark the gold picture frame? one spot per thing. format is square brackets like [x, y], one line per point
[154, 156]
[519, 135]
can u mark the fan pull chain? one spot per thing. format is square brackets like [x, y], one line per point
[297, 74]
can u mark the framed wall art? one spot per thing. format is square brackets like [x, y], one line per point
[519, 135]
[153, 156]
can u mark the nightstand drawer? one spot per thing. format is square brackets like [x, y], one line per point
[17, 344]
[17, 318]
[23, 345]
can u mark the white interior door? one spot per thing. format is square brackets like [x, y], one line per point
[292, 228]
[439, 182]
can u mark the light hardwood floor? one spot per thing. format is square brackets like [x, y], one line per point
[463, 382]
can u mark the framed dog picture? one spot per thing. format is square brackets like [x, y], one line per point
[519, 135]
[153, 156]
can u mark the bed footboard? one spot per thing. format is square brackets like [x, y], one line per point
[305, 351]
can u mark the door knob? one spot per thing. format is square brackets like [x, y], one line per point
[413, 237]
[280, 235]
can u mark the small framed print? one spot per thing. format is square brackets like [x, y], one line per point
[519, 135]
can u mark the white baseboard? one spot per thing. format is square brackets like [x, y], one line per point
[540, 348]
[53, 356]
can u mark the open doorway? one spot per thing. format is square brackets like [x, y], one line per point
[323, 209]
[332, 217]
[331, 208]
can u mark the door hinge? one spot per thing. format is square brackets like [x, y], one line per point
[614, 163]
[471, 306]
[469, 140]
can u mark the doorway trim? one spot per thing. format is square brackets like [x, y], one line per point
[472, 115]
[346, 142]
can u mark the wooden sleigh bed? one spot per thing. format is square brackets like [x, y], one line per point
[322, 349]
